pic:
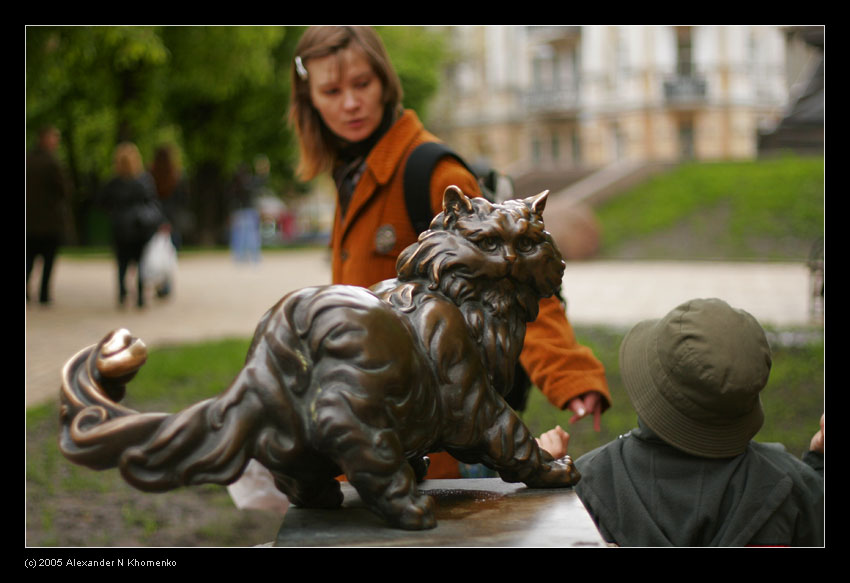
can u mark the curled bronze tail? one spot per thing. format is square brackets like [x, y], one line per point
[95, 428]
[154, 451]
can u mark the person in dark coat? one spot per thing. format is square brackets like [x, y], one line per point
[172, 192]
[135, 213]
[47, 209]
[172, 189]
[690, 474]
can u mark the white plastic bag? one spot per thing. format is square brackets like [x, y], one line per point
[255, 490]
[159, 259]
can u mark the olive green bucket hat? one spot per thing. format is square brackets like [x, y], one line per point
[695, 375]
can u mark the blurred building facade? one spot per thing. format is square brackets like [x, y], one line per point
[546, 98]
[801, 128]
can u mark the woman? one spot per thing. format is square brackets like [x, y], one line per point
[135, 213]
[348, 116]
[171, 191]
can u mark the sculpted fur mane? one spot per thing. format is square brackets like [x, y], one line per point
[442, 257]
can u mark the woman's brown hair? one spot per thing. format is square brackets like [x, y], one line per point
[318, 146]
[166, 170]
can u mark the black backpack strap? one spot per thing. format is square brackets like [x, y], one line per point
[417, 181]
[417, 196]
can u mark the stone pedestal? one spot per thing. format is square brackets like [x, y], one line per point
[470, 513]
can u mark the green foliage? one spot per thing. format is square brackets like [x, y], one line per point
[226, 92]
[94, 73]
[104, 84]
[417, 54]
[219, 93]
[213, 63]
[766, 209]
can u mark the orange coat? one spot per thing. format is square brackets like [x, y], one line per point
[376, 228]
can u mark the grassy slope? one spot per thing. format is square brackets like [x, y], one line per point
[771, 209]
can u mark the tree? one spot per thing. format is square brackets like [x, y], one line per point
[210, 89]
[418, 54]
[220, 93]
[95, 85]
[228, 97]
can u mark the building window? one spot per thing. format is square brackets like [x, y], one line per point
[576, 147]
[684, 51]
[618, 142]
[556, 72]
[536, 73]
[686, 139]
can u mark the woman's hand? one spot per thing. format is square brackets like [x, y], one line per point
[588, 403]
[817, 443]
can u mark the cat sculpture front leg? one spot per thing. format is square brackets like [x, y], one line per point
[538, 468]
[478, 425]
[508, 447]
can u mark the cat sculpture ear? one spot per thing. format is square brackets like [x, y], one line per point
[456, 202]
[537, 202]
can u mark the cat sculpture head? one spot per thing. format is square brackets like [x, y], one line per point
[500, 253]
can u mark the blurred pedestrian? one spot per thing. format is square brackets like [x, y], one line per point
[135, 213]
[47, 209]
[172, 189]
[172, 192]
[244, 216]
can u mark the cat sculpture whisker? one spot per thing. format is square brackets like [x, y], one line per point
[344, 380]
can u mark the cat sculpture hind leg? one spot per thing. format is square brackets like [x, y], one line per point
[369, 403]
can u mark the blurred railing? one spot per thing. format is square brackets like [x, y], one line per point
[544, 33]
[550, 100]
[683, 89]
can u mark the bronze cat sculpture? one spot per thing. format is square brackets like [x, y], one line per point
[345, 380]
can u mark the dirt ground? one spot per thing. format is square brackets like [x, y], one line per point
[195, 517]
[78, 507]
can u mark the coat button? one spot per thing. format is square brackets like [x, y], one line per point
[385, 239]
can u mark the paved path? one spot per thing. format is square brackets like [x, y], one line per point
[217, 298]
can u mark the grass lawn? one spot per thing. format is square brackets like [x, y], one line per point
[69, 505]
[766, 209]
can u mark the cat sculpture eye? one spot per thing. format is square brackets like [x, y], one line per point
[525, 244]
[489, 244]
